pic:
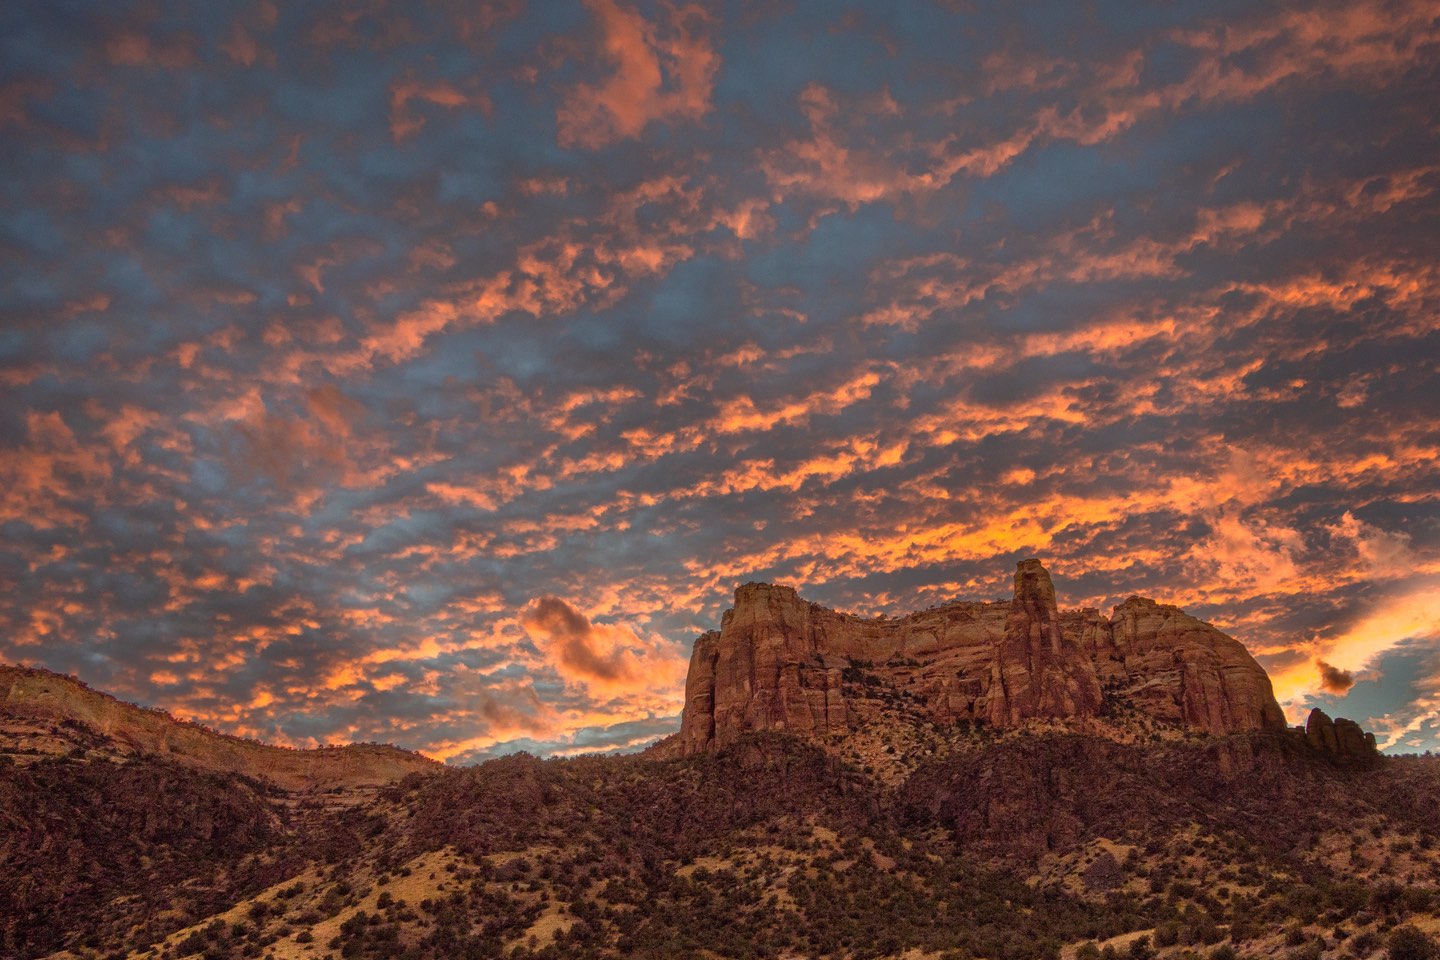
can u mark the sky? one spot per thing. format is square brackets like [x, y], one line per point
[432, 373]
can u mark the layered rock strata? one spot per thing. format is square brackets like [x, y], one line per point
[779, 662]
[44, 713]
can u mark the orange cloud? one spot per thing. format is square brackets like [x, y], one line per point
[824, 165]
[742, 415]
[39, 478]
[657, 76]
[124, 427]
[1381, 554]
[605, 659]
[303, 451]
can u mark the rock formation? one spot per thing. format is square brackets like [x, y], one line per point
[1339, 737]
[44, 713]
[1037, 670]
[779, 662]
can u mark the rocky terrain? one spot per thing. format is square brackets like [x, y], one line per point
[1002, 781]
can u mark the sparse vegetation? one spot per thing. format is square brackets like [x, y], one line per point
[1408, 943]
[1011, 846]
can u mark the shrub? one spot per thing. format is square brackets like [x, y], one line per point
[1364, 943]
[191, 944]
[1408, 943]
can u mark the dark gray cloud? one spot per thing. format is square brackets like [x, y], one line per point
[1334, 680]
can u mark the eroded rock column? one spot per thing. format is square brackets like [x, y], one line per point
[1037, 671]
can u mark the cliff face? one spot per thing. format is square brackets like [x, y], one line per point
[779, 662]
[1037, 669]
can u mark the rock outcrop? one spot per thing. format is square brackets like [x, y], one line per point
[1192, 673]
[45, 713]
[1038, 671]
[779, 662]
[1339, 737]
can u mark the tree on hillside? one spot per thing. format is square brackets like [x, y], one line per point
[1408, 943]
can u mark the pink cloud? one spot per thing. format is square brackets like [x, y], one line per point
[131, 48]
[1368, 43]
[240, 46]
[404, 122]
[658, 75]
[14, 97]
[275, 218]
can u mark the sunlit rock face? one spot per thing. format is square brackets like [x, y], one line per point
[779, 662]
[1037, 670]
[48, 714]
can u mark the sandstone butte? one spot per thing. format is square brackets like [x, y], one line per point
[48, 713]
[779, 662]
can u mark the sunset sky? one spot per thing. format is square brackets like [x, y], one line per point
[433, 373]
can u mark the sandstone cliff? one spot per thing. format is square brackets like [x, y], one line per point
[1339, 737]
[47, 713]
[779, 662]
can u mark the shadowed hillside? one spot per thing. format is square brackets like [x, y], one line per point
[1007, 847]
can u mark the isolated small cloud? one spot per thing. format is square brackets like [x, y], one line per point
[578, 648]
[1333, 679]
[604, 658]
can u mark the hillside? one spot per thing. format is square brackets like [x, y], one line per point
[48, 714]
[1169, 816]
[1014, 847]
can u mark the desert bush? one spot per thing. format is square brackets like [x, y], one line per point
[1408, 943]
